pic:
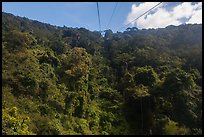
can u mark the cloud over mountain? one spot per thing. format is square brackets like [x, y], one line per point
[160, 17]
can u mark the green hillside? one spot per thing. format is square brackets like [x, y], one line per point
[72, 81]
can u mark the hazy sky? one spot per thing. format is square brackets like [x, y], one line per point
[84, 14]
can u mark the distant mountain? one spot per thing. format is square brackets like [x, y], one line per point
[185, 34]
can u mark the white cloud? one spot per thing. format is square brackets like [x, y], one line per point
[161, 17]
[197, 15]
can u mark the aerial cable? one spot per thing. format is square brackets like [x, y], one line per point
[140, 15]
[99, 17]
[112, 14]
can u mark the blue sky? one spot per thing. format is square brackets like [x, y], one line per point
[84, 14]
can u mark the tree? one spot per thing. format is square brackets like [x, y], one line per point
[14, 123]
[178, 80]
[146, 76]
[17, 40]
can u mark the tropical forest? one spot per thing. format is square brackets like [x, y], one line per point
[73, 81]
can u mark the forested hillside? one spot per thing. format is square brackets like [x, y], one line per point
[64, 81]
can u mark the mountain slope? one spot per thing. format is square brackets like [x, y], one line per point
[62, 81]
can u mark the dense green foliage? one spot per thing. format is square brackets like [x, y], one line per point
[62, 81]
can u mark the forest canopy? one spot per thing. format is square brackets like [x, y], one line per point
[65, 81]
